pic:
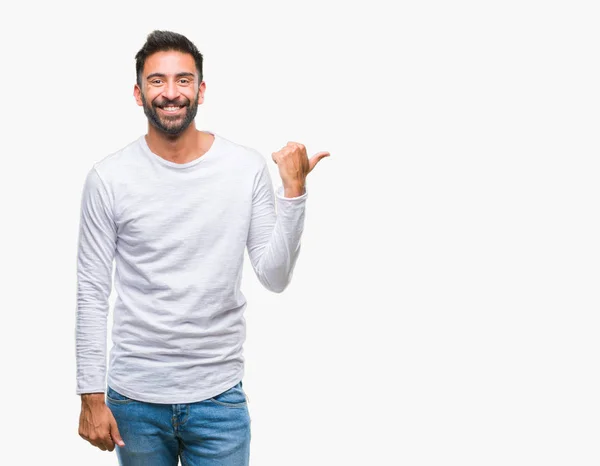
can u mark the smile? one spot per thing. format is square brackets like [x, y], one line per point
[170, 109]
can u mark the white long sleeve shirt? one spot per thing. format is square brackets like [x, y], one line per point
[177, 234]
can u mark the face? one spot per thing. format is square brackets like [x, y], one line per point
[170, 92]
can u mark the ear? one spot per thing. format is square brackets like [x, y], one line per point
[201, 90]
[137, 93]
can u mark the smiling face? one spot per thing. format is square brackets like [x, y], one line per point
[170, 92]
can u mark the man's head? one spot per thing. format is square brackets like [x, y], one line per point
[169, 81]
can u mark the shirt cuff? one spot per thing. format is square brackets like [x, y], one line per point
[280, 195]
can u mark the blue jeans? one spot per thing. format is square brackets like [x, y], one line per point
[213, 432]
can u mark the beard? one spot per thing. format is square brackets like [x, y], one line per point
[172, 125]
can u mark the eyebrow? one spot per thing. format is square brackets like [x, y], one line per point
[186, 74]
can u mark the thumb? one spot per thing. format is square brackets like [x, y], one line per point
[114, 433]
[315, 158]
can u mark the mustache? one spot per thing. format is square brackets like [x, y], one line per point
[169, 103]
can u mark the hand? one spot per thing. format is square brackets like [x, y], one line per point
[97, 424]
[294, 166]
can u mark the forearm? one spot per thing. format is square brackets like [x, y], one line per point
[276, 259]
[90, 340]
[295, 190]
[92, 399]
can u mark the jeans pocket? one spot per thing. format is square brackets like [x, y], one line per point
[235, 397]
[112, 396]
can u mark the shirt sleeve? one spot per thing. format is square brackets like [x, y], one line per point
[274, 236]
[95, 254]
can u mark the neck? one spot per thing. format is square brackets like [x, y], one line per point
[182, 148]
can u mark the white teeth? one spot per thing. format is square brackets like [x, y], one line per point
[171, 109]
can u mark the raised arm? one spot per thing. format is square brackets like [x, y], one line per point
[274, 236]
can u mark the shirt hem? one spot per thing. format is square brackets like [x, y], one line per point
[193, 397]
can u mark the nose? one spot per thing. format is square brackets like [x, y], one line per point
[171, 91]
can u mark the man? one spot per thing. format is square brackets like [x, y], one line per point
[176, 209]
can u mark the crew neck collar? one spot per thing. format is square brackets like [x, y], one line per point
[179, 166]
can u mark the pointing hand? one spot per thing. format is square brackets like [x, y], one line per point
[294, 166]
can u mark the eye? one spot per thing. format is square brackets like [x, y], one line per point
[184, 81]
[155, 81]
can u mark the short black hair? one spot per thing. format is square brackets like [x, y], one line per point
[163, 41]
